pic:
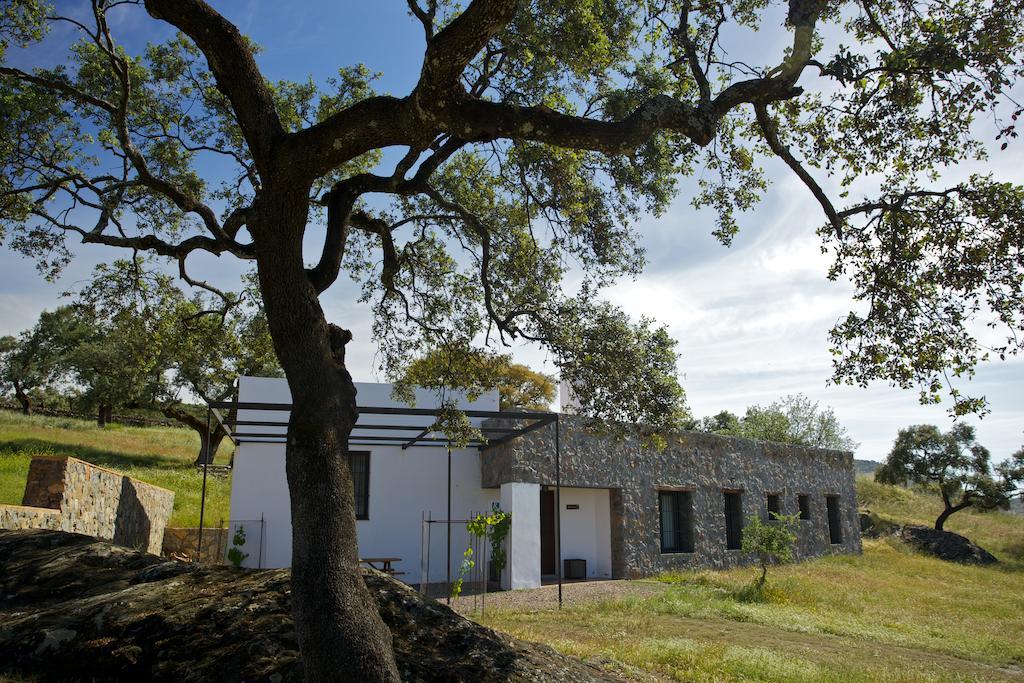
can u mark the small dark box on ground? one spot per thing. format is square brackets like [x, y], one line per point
[574, 569]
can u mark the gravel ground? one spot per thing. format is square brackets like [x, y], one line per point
[546, 597]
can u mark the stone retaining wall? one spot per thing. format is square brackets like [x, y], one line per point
[185, 541]
[79, 497]
[706, 465]
[21, 517]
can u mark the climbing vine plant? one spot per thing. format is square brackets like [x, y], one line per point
[494, 526]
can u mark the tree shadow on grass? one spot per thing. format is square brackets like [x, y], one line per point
[117, 460]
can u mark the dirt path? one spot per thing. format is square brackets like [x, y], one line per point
[812, 647]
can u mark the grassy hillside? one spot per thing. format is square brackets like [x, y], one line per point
[889, 615]
[1000, 533]
[162, 456]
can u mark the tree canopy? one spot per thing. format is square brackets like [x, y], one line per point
[460, 368]
[132, 338]
[154, 345]
[535, 136]
[956, 464]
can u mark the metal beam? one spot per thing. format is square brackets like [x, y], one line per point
[520, 431]
[223, 424]
[390, 410]
[418, 437]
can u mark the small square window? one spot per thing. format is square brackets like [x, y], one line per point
[804, 501]
[773, 506]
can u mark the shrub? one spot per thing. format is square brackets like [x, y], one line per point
[771, 541]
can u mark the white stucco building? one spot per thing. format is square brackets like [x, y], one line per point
[396, 489]
[626, 509]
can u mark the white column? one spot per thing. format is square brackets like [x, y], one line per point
[523, 501]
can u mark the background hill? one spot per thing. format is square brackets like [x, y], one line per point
[866, 466]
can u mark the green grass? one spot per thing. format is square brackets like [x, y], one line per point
[161, 456]
[890, 614]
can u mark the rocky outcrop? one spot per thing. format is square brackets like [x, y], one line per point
[945, 545]
[72, 607]
[873, 526]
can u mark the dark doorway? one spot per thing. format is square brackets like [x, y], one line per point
[733, 520]
[548, 563]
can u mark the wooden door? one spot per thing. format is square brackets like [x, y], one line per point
[548, 562]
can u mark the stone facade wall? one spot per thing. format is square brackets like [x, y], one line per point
[94, 501]
[184, 541]
[21, 517]
[44, 484]
[706, 465]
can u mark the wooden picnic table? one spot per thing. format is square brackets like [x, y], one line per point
[384, 562]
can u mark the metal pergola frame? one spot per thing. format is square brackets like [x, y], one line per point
[406, 435]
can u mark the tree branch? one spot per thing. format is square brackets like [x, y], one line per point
[451, 50]
[59, 86]
[234, 68]
[682, 34]
[339, 211]
[767, 126]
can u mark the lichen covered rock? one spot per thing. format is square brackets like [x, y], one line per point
[73, 607]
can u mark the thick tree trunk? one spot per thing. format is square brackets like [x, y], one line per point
[104, 415]
[337, 622]
[23, 398]
[949, 510]
[965, 501]
[176, 412]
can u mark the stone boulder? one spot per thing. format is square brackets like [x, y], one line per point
[873, 526]
[945, 545]
[74, 607]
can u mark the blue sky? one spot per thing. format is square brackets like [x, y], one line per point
[751, 320]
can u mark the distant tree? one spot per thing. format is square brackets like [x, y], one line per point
[955, 463]
[118, 364]
[521, 387]
[196, 347]
[36, 359]
[767, 424]
[208, 353]
[793, 419]
[724, 422]
[460, 366]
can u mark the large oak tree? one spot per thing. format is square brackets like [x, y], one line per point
[535, 133]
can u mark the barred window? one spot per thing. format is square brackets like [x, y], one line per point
[733, 520]
[676, 514]
[359, 462]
